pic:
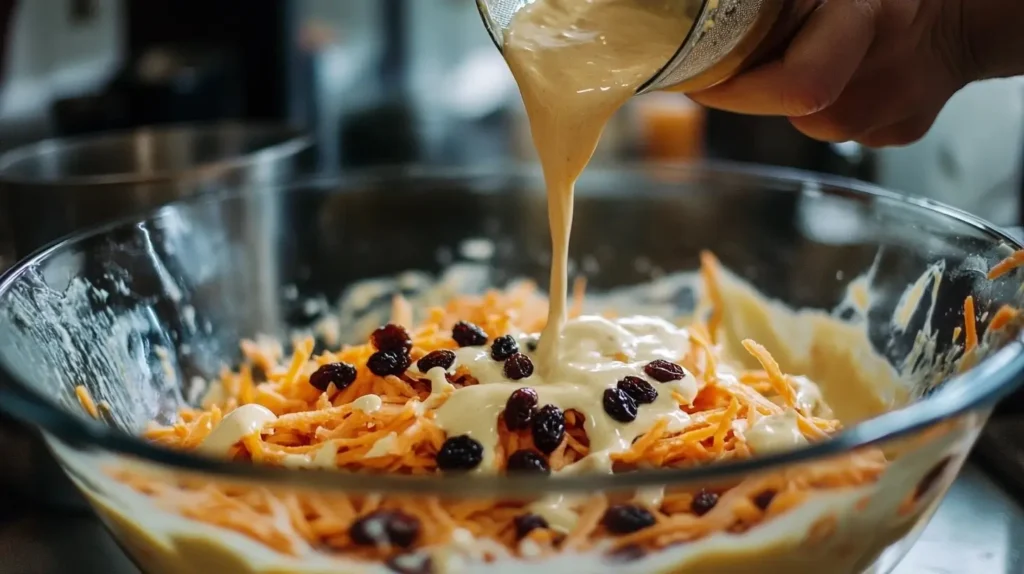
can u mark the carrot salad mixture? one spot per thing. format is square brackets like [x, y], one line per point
[336, 409]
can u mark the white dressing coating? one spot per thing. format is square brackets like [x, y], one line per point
[368, 404]
[383, 446]
[559, 510]
[775, 433]
[236, 425]
[809, 397]
[591, 351]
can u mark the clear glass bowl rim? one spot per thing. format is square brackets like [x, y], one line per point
[982, 386]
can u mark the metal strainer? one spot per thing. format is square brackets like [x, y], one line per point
[723, 40]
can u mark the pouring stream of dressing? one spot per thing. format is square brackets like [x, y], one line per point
[576, 63]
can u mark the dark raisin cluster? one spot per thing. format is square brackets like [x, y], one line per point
[460, 453]
[546, 424]
[467, 334]
[393, 344]
[627, 519]
[704, 502]
[622, 401]
[341, 375]
[385, 527]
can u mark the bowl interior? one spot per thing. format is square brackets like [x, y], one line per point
[138, 311]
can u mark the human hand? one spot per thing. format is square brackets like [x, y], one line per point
[873, 71]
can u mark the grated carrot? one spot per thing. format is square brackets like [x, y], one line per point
[1003, 317]
[85, 399]
[1013, 261]
[309, 420]
[970, 326]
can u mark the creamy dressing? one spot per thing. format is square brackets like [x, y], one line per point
[236, 425]
[368, 404]
[591, 351]
[576, 63]
[775, 433]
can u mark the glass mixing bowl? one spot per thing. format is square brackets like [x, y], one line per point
[137, 311]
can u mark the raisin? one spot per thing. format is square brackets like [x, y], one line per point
[441, 358]
[527, 462]
[531, 344]
[703, 502]
[527, 523]
[929, 480]
[627, 519]
[384, 363]
[628, 553]
[640, 390]
[467, 334]
[619, 405]
[518, 367]
[391, 337]
[392, 527]
[341, 374]
[663, 371]
[520, 408]
[764, 499]
[548, 428]
[410, 563]
[460, 453]
[504, 347]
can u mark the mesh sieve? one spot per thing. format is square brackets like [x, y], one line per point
[724, 35]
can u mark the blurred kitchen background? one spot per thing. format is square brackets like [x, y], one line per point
[384, 81]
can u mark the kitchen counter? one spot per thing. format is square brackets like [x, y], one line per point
[978, 529]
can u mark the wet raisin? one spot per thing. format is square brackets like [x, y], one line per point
[519, 408]
[626, 519]
[640, 390]
[929, 480]
[619, 405]
[531, 344]
[384, 363]
[527, 523]
[504, 347]
[663, 371]
[548, 428]
[703, 502]
[518, 367]
[527, 462]
[628, 553]
[391, 337]
[441, 358]
[467, 334]
[410, 563]
[460, 453]
[392, 527]
[341, 374]
[764, 499]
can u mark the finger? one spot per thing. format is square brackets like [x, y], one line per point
[869, 103]
[901, 133]
[815, 70]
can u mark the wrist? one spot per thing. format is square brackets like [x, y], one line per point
[992, 37]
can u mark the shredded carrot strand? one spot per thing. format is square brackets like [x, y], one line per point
[1013, 261]
[970, 326]
[313, 424]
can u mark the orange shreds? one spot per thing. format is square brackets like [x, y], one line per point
[1004, 316]
[316, 428]
[85, 399]
[710, 273]
[1015, 260]
[775, 376]
[970, 325]
[579, 291]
